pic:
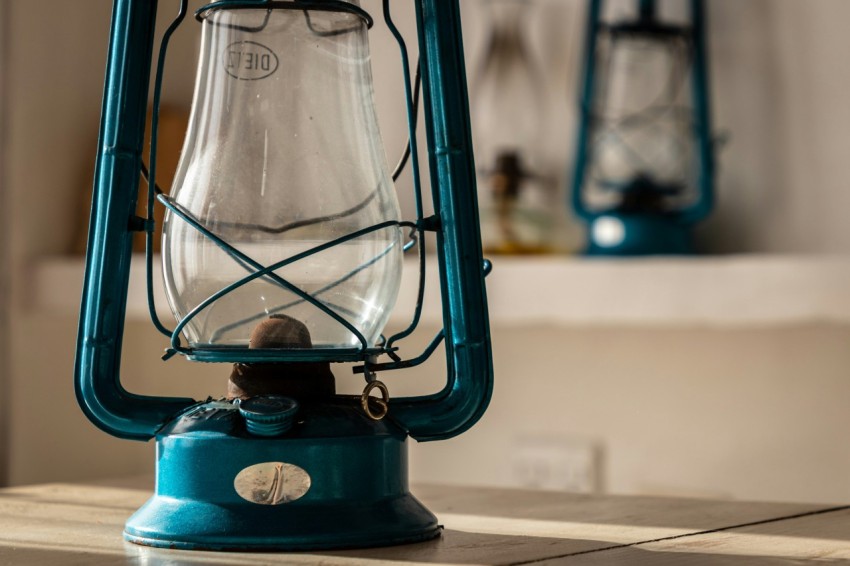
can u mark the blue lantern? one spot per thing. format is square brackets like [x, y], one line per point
[282, 251]
[644, 162]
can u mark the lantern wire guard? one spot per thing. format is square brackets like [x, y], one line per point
[619, 133]
[273, 472]
[255, 269]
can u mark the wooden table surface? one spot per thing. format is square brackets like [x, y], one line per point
[62, 524]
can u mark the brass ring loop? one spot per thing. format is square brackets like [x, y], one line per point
[383, 402]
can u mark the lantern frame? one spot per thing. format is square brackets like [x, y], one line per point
[383, 512]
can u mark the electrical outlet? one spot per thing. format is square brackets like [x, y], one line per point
[558, 463]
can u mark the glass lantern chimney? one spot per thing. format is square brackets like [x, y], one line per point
[643, 144]
[283, 154]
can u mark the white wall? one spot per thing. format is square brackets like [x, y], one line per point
[747, 413]
[782, 71]
[5, 260]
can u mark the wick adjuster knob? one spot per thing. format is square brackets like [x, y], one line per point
[269, 415]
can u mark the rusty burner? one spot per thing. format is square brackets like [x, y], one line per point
[301, 380]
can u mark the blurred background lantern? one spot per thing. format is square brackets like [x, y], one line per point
[644, 164]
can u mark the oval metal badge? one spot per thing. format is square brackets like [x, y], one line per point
[249, 61]
[272, 483]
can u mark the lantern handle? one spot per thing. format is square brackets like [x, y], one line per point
[97, 382]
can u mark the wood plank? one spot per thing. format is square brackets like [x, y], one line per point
[654, 517]
[819, 537]
[71, 524]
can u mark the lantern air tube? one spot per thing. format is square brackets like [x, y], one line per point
[465, 316]
[99, 392]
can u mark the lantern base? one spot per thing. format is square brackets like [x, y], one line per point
[619, 234]
[336, 480]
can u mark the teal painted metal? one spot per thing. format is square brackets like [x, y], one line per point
[648, 9]
[359, 494]
[702, 104]
[594, 10]
[269, 415]
[643, 233]
[354, 471]
[669, 232]
[98, 386]
[468, 355]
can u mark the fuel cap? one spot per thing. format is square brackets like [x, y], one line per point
[269, 415]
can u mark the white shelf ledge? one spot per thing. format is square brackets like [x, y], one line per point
[720, 290]
[743, 290]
